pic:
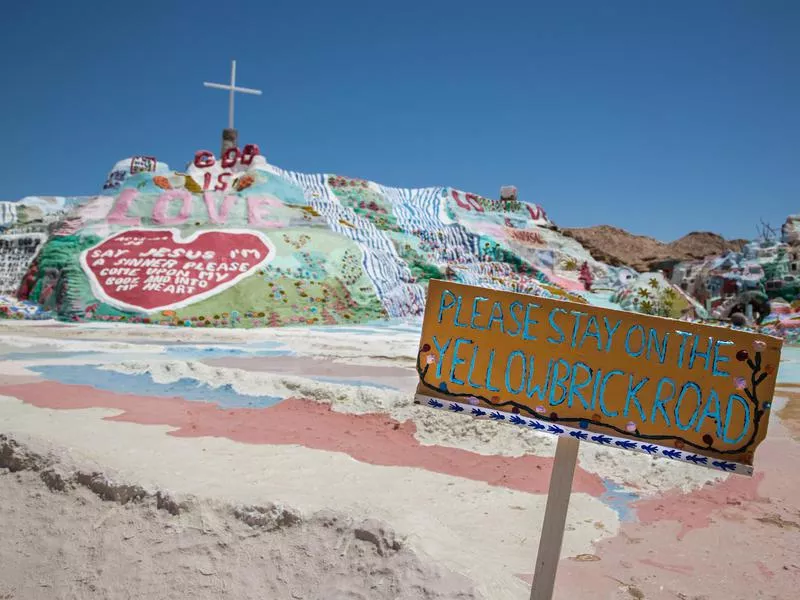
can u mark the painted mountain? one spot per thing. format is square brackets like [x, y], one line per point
[237, 242]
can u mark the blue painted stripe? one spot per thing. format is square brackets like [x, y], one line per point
[121, 383]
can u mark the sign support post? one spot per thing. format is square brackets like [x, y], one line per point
[555, 517]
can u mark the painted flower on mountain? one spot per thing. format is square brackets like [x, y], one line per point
[244, 182]
[759, 345]
[740, 383]
[162, 182]
[430, 359]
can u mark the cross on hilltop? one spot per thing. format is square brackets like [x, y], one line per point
[229, 135]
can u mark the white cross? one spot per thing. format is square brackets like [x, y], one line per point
[233, 89]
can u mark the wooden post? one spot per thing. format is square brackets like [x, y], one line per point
[555, 517]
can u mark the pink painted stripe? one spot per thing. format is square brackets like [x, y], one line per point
[374, 438]
[695, 509]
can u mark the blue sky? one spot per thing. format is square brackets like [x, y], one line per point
[659, 117]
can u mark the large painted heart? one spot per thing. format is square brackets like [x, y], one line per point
[153, 269]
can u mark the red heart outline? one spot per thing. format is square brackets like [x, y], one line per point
[128, 246]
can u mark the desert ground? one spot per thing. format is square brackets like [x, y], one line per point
[153, 462]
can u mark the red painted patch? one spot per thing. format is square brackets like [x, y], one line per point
[151, 270]
[375, 439]
[682, 569]
[694, 510]
[765, 570]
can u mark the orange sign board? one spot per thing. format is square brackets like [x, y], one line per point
[686, 391]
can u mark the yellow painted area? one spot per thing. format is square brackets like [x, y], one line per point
[696, 387]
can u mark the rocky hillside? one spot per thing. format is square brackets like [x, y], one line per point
[616, 246]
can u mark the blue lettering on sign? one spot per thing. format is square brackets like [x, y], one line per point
[575, 387]
[728, 412]
[442, 306]
[598, 378]
[555, 327]
[537, 389]
[568, 383]
[577, 314]
[689, 385]
[704, 355]
[457, 360]
[652, 340]
[601, 397]
[529, 321]
[509, 363]
[456, 323]
[515, 317]
[475, 350]
[628, 341]
[712, 414]
[592, 323]
[496, 316]
[660, 403]
[476, 312]
[715, 370]
[440, 352]
[631, 395]
[489, 366]
[685, 335]
[559, 382]
[610, 331]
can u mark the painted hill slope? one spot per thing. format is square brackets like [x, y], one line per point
[236, 241]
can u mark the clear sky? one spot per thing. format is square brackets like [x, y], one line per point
[659, 117]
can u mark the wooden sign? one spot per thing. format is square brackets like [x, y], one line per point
[686, 391]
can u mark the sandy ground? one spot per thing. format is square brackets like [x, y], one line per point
[75, 535]
[282, 461]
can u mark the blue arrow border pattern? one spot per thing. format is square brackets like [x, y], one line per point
[583, 435]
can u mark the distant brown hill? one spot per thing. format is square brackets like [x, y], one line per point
[616, 246]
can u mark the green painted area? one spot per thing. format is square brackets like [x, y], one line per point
[410, 249]
[316, 277]
[303, 284]
[61, 285]
[365, 202]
